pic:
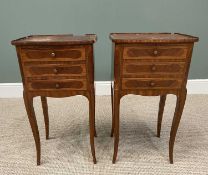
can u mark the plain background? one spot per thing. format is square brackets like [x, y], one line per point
[19, 18]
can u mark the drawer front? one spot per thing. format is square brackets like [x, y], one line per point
[55, 70]
[152, 52]
[57, 85]
[53, 54]
[128, 83]
[155, 68]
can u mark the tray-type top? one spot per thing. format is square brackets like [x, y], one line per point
[152, 38]
[55, 39]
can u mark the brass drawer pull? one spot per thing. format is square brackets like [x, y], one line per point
[53, 54]
[152, 84]
[155, 52]
[153, 68]
[57, 86]
[55, 70]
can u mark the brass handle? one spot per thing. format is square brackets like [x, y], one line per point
[153, 68]
[155, 52]
[152, 84]
[57, 86]
[53, 54]
[55, 70]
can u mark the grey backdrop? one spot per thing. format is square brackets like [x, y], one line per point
[25, 17]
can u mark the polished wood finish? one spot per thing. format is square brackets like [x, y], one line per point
[153, 83]
[53, 53]
[56, 70]
[142, 69]
[56, 66]
[150, 64]
[152, 51]
[160, 113]
[51, 85]
[45, 114]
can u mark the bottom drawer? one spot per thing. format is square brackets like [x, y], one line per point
[57, 85]
[128, 83]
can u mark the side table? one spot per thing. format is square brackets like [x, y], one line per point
[56, 66]
[150, 64]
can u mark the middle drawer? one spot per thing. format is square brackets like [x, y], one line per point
[153, 69]
[55, 70]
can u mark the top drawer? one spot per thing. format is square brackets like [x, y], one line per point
[152, 52]
[53, 53]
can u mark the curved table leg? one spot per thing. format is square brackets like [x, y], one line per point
[93, 110]
[45, 113]
[116, 128]
[92, 125]
[33, 123]
[160, 113]
[181, 98]
[113, 118]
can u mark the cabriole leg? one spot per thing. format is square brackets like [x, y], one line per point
[33, 123]
[160, 113]
[181, 98]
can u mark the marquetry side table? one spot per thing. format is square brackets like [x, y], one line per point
[56, 66]
[150, 64]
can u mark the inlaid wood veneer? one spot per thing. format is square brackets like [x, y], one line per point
[56, 66]
[150, 64]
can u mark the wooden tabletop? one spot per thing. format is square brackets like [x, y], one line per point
[69, 39]
[152, 38]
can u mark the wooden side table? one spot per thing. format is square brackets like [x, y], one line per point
[56, 66]
[151, 64]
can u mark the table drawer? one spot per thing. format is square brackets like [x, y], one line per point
[152, 52]
[128, 83]
[57, 85]
[53, 54]
[153, 68]
[55, 70]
